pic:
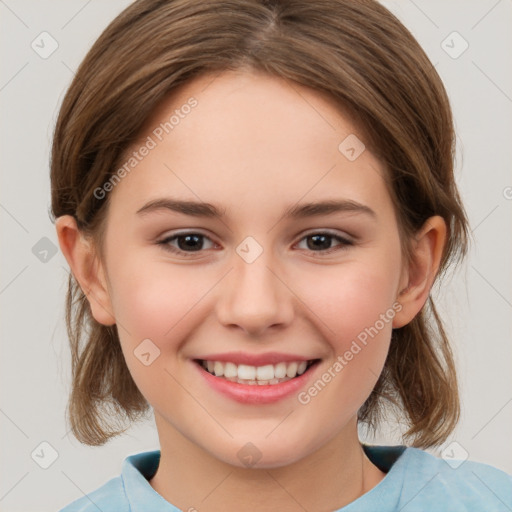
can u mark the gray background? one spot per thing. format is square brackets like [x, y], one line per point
[35, 369]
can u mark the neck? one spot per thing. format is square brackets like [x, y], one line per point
[327, 479]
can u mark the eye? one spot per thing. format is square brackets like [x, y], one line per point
[322, 242]
[186, 243]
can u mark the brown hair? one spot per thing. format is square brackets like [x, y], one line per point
[357, 53]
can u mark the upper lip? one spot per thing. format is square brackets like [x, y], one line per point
[254, 359]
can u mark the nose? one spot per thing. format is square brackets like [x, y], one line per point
[255, 297]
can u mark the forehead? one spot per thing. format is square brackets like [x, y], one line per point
[246, 138]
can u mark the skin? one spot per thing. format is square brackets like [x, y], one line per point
[254, 145]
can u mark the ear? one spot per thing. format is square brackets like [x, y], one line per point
[86, 267]
[418, 278]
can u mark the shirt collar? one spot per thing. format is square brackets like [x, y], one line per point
[138, 469]
[393, 460]
[136, 472]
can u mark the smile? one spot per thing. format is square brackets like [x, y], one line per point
[269, 374]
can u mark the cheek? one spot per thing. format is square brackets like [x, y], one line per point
[352, 308]
[155, 302]
[355, 308]
[154, 298]
[161, 304]
[350, 300]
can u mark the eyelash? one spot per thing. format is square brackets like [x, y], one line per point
[165, 243]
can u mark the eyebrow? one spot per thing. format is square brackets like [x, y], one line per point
[201, 209]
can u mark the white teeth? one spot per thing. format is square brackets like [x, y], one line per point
[256, 375]
[291, 370]
[265, 372]
[302, 367]
[246, 372]
[218, 368]
[280, 370]
[230, 370]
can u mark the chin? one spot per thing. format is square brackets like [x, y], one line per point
[261, 454]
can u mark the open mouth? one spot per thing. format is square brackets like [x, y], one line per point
[269, 374]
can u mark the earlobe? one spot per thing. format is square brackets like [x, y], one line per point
[427, 252]
[86, 267]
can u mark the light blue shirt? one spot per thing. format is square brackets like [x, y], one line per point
[415, 481]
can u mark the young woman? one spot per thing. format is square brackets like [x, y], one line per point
[255, 198]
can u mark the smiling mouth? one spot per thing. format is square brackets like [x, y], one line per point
[269, 374]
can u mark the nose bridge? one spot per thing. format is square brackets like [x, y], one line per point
[253, 297]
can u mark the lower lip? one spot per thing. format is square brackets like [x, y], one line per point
[256, 394]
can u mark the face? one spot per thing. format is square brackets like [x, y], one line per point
[256, 280]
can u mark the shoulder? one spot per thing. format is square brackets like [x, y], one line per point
[430, 481]
[128, 492]
[110, 497]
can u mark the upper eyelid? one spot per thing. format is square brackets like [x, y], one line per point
[319, 231]
[170, 236]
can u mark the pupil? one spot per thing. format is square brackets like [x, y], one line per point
[320, 242]
[191, 242]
